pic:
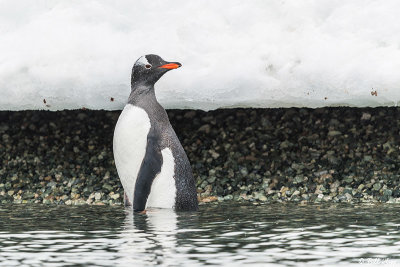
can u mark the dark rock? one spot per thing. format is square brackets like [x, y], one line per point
[304, 150]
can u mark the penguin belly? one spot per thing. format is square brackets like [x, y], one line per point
[129, 145]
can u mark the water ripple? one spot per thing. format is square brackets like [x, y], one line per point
[228, 234]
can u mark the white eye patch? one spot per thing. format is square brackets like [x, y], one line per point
[142, 61]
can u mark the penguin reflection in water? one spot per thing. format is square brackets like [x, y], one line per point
[153, 167]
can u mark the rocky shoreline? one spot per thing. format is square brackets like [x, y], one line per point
[258, 155]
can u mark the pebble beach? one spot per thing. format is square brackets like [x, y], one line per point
[251, 155]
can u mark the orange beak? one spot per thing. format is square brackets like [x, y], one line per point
[171, 66]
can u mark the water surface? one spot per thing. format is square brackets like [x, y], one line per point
[229, 234]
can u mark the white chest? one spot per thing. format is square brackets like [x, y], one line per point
[129, 145]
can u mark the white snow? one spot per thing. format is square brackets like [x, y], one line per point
[259, 53]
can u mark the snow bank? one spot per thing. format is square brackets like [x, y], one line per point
[73, 54]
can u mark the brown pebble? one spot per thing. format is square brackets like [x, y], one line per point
[209, 199]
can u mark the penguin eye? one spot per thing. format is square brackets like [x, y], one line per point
[147, 66]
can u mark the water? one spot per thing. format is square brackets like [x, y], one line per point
[225, 234]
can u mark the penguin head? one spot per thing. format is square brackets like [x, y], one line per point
[148, 69]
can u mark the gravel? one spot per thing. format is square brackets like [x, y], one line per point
[257, 155]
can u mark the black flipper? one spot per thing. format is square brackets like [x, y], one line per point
[151, 166]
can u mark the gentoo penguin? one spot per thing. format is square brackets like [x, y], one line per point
[153, 167]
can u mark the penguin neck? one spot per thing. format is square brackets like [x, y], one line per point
[141, 91]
